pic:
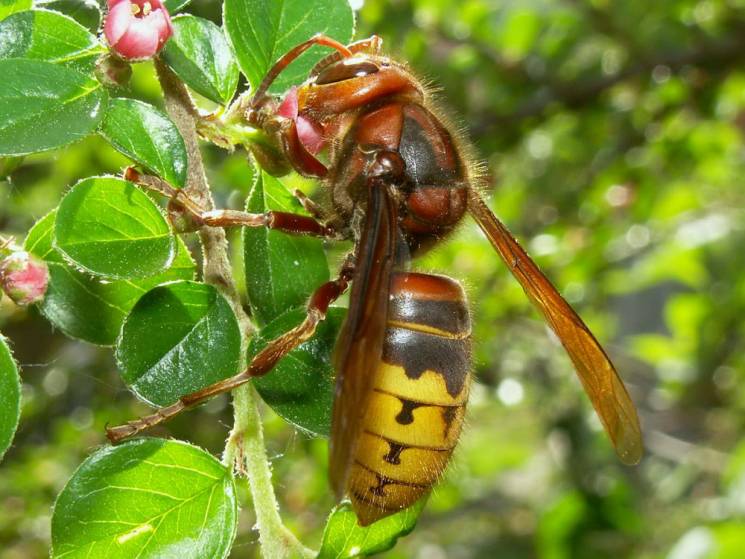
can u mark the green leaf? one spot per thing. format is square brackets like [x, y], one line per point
[8, 7]
[200, 55]
[83, 306]
[343, 537]
[85, 12]
[109, 227]
[263, 30]
[174, 6]
[146, 498]
[147, 136]
[179, 338]
[10, 397]
[300, 387]
[44, 106]
[282, 270]
[50, 36]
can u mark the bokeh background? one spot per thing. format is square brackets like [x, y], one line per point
[614, 135]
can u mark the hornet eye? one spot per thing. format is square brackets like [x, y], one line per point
[346, 70]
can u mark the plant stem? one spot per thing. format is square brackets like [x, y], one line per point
[275, 539]
[245, 448]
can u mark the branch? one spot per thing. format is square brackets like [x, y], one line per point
[245, 446]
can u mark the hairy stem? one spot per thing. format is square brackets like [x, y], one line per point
[245, 446]
[247, 438]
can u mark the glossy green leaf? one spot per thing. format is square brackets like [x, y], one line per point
[146, 498]
[147, 136]
[10, 397]
[300, 387]
[200, 55]
[281, 270]
[44, 106]
[343, 538]
[83, 306]
[8, 7]
[86, 12]
[50, 36]
[109, 227]
[179, 337]
[263, 30]
[174, 6]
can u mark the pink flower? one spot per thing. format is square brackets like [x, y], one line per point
[137, 29]
[24, 277]
[309, 132]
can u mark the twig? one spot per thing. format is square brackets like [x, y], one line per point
[245, 444]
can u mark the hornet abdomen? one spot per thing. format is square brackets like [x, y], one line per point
[415, 412]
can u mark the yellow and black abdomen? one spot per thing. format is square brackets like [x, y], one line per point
[415, 412]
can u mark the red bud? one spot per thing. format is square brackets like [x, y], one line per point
[309, 132]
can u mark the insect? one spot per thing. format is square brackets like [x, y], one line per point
[399, 182]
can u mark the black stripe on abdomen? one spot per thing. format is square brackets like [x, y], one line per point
[417, 352]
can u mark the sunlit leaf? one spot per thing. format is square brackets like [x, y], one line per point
[281, 270]
[146, 498]
[200, 55]
[109, 227]
[87, 307]
[147, 136]
[10, 397]
[343, 538]
[8, 7]
[44, 106]
[174, 6]
[50, 36]
[85, 12]
[300, 387]
[263, 30]
[179, 337]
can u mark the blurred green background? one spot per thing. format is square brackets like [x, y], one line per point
[614, 137]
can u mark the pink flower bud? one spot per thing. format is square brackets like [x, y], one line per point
[309, 132]
[24, 277]
[137, 29]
